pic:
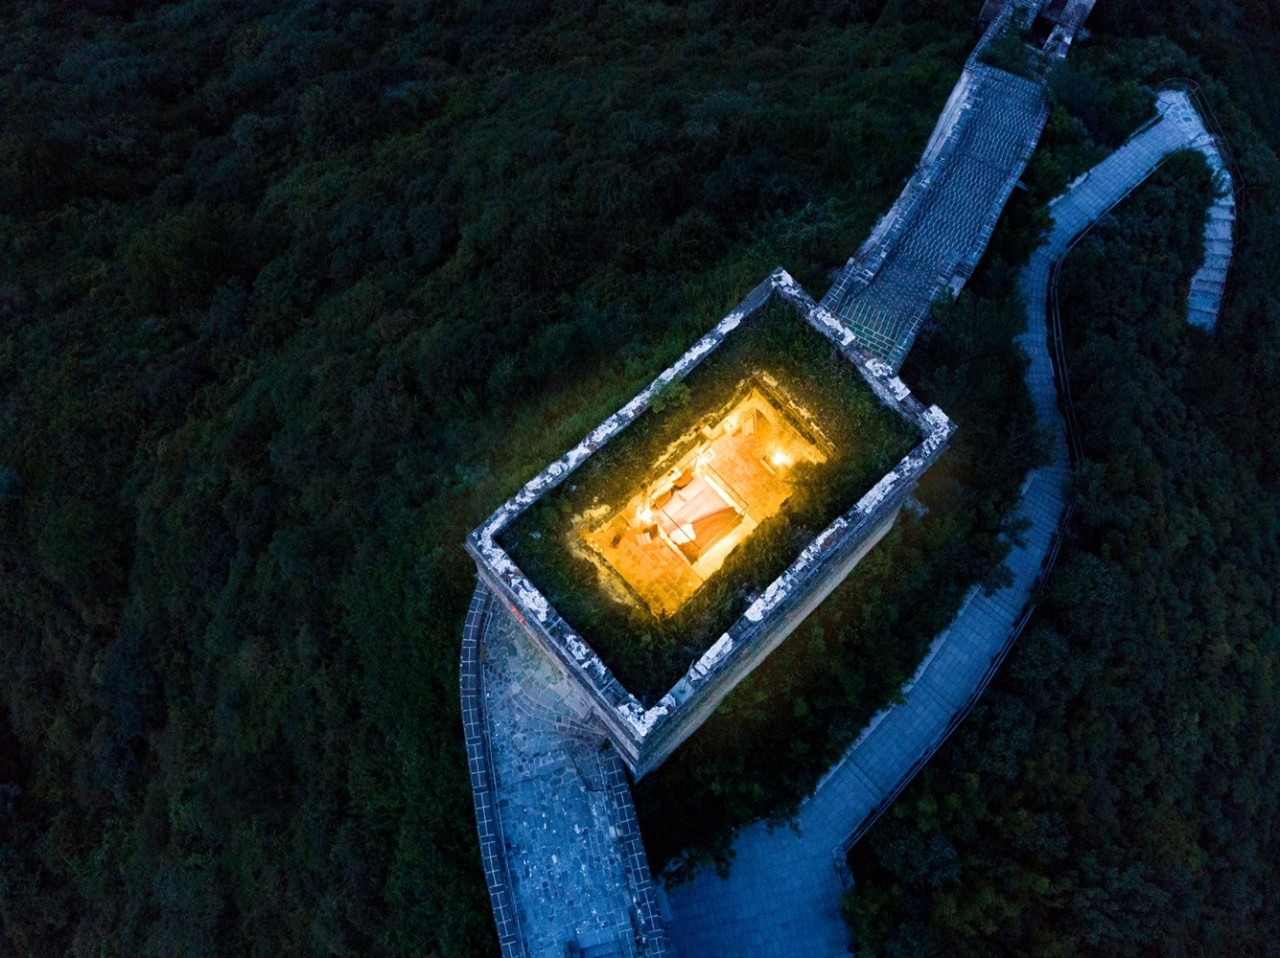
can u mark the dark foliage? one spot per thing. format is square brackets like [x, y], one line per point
[294, 294]
[1117, 790]
[280, 286]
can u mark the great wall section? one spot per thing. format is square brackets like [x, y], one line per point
[561, 849]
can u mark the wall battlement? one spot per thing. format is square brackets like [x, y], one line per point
[645, 737]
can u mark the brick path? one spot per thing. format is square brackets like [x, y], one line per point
[940, 226]
[566, 844]
[783, 893]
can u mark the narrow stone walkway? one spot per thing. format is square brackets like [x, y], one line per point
[569, 869]
[782, 896]
[939, 227]
[1178, 126]
[1208, 285]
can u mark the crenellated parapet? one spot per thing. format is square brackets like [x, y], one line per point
[646, 735]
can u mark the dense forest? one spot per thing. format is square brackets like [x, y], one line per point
[293, 294]
[1118, 789]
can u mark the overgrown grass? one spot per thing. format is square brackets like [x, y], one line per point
[648, 652]
[1009, 52]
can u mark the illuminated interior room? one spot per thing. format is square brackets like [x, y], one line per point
[681, 524]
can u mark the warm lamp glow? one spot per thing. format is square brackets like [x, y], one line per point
[681, 524]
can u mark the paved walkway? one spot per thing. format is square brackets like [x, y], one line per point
[574, 863]
[939, 228]
[1177, 127]
[782, 896]
[1208, 285]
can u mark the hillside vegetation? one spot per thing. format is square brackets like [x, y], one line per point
[291, 296]
[1118, 790]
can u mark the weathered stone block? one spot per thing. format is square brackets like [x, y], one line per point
[644, 736]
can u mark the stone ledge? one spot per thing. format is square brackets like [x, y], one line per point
[646, 736]
[487, 824]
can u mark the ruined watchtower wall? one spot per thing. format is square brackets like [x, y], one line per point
[645, 737]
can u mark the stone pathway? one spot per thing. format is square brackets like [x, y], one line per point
[936, 232]
[1178, 126]
[574, 864]
[782, 896]
[1208, 285]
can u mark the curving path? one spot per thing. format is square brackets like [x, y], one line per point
[783, 893]
[1177, 126]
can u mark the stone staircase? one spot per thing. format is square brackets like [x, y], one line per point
[940, 226]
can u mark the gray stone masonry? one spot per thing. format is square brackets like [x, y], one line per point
[492, 855]
[1070, 22]
[1178, 126]
[645, 737]
[932, 238]
[573, 863]
[782, 895]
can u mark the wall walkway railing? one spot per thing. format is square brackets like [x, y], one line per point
[842, 851]
[488, 822]
[1210, 120]
[1057, 352]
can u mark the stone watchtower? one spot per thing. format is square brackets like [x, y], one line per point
[645, 736]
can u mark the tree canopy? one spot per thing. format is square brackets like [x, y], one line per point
[1116, 790]
[293, 294]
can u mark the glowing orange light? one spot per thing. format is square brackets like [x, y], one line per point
[733, 474]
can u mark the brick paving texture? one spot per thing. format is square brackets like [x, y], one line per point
[573, 858]
[945, 217]
[782, 896]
